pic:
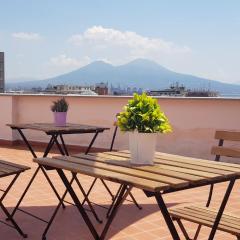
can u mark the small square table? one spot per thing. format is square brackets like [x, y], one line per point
[55, 134]
[51, 130]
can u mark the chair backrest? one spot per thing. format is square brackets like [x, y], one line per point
[226, 151]
[223, 136]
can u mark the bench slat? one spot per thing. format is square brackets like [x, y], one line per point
[226, 151]
[230, 135]
[211, 212]
[206, 217]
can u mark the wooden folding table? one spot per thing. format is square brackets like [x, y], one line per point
[56, 137]
[169, 174]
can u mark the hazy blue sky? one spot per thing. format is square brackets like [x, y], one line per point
[43, 38]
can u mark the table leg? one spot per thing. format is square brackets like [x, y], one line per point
[64, 145]
[9, 216]
[49, 147]
[92, 142]
[52, 186]
[113, 201]
[55, 136]
[221, 209]
[26, 142]
[79, 184]
[86, 198]
[166, 216]
[89, 190]
[74, 177]
[105, 185]
[55, 212]
[47, 150]
[64, 151]
[103, 182]
[78, 204]
[124, 192]
[107, 188]
[28, 186]
[120, 199]
[9, 187]
[25, 191]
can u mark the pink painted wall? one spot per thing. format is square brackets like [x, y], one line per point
[7, 115]
[194, 121]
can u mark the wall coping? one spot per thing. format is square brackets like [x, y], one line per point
[113, 96]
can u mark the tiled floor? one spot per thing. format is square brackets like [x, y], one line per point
[130, 223]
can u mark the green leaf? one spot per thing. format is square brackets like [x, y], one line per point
[144, 114]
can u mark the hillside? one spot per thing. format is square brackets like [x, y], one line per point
[139, 73]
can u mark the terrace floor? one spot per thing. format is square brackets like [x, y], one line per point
[129, 224]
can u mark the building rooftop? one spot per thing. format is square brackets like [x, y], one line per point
[130, 224]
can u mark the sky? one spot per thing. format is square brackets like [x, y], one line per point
[46, 38]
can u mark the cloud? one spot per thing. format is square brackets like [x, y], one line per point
[62, 64]
[131, 43]
[26, 36]
[63, 61]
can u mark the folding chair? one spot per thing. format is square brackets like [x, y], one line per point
[205, 216]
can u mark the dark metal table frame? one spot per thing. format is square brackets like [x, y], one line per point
[4, 209]
[64, 151]
[124, 192]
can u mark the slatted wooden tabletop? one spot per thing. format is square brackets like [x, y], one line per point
[51, 128]
[8, 168]
[169, 172]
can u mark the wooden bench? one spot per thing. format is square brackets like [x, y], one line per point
[205, 215]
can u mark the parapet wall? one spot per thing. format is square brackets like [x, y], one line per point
[194, 120]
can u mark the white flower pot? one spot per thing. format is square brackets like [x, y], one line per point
[142, 147]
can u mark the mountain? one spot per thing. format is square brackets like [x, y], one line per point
[140, 73]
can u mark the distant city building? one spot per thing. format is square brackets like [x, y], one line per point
[174, 90]
[128, 91]
[2, 73]
[180, 91]
[202, 93]
[69, 89]
[101, 88]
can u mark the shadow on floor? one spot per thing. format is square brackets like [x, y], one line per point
[69, 225]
